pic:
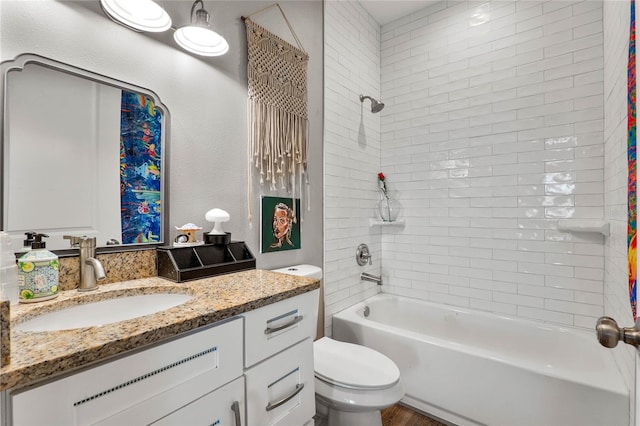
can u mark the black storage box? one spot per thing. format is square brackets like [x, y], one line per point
[191, 263]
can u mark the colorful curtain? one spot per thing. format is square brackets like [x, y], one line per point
[632, 163]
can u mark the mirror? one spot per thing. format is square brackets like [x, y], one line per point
[82, 154]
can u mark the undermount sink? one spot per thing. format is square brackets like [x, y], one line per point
[103, 312]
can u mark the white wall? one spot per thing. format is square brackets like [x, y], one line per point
[616, 295]
[352, 152]
[206, 98]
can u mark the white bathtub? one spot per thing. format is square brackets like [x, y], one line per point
[470, 367]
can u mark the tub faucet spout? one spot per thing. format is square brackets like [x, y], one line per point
[369, 277]
[91, 269]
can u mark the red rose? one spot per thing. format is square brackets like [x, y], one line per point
[381, 176]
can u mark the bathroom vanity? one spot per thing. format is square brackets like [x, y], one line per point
[239, 352]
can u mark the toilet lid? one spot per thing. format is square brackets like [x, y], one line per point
[353, 366]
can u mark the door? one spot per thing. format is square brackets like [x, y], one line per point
[609, 334]
[606, 327]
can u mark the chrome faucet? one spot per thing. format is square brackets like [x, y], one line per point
[91, 269]
[368, 277]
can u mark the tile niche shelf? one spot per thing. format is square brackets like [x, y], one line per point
[584, 225]
[383, 224]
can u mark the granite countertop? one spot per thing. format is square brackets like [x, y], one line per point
[39, 355]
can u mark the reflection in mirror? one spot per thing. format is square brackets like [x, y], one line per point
[83, 154]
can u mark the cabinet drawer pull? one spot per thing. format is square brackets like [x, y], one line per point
[236, 411]
[296, 320]
[285, 399]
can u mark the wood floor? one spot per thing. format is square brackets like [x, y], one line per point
[399, 415]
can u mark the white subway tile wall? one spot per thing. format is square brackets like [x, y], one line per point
[352, 153]
[493, 132]
[494, 129]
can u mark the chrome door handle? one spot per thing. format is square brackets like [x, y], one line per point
[281, 401]
[235, 407]
[270, 330]
[609, 334]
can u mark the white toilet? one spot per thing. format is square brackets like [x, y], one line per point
[352, 382]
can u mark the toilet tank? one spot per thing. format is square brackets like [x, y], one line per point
[310, 271]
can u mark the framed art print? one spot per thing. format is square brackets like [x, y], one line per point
[280, 228]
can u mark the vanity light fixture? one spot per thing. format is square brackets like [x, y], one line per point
[198, 37]
[138, 15]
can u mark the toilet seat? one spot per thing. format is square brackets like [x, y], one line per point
[353, 366]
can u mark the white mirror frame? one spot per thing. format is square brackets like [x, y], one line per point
[18, 64]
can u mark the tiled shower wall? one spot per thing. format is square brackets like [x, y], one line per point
[501, 118]
[493, 130]
[352, 152]
[492, 133]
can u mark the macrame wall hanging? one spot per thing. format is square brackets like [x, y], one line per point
[277, 112]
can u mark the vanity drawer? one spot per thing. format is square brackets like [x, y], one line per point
[280, 390]
[139, 388]
[224, 406]
[272, 328]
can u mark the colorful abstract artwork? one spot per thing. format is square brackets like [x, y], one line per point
[632, 209]
[140, 169]
[280, 225]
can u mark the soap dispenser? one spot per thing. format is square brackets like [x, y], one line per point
[38, 272]
[28, 241]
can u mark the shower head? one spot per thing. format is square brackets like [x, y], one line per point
[376, 106]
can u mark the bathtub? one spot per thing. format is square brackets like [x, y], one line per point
[470, 367]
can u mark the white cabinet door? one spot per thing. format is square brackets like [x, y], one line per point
[222, 407]
[139, 388]
[280, 390]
